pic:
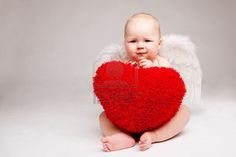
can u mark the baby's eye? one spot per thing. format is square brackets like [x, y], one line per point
[148, 40]
[132, 41]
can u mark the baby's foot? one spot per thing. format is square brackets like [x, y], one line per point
[117, 142]
[146, 140]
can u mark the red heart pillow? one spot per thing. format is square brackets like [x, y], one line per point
[138, 99]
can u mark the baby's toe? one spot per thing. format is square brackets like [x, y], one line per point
[144, 147]
[142, 141]
[109, 146]
[106, 147]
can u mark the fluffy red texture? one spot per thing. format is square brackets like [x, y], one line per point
[138, 99]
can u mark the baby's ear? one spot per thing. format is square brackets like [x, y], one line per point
[160, 41]
[159, 44]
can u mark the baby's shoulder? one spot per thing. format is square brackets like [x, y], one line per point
[163, 62]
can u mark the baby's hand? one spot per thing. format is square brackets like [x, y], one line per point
[131, 62]
[145, 63]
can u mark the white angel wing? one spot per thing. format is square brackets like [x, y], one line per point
[109, 53]
[180, 52]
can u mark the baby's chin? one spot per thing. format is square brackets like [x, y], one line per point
[138, 59]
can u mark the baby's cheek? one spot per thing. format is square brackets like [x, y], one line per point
[152, 55]
[132, 55]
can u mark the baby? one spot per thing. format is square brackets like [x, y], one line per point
[142, 40]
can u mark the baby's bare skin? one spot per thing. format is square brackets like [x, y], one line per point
[117, 141]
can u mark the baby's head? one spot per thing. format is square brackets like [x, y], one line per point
[142, 37]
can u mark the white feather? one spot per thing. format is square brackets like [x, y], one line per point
[109, 53]
[179, 51]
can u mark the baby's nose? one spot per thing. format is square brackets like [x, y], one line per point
[140, 48]
[140, 45]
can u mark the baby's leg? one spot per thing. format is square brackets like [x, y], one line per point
[114, 139]
[167, 131]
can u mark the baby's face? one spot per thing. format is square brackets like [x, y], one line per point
[142, 40]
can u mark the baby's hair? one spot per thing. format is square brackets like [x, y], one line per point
[143, 15]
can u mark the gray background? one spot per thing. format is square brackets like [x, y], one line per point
[55, 42]
[47, 52]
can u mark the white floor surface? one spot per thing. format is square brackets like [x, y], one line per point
[47, 121]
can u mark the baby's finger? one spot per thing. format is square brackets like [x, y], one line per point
[146, 64]
[133, 63]
[130, 62]
[143, 64]
[143, 60]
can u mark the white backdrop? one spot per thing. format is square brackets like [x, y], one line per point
[47, 51]
[56, 41]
